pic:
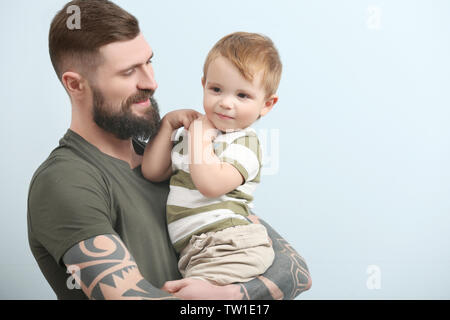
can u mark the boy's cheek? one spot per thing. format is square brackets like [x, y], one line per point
[208, 104]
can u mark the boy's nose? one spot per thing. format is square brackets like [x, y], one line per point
[226, 103]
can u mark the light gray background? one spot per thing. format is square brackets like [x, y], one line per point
[363, 123]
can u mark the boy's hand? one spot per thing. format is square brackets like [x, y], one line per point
[180, 118]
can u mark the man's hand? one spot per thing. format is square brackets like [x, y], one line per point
[181, 118]
[203, 129]
[197, 289]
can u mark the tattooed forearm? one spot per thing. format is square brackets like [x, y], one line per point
[108, 271]
[285, 279]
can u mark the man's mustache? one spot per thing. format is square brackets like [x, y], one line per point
[142, 95]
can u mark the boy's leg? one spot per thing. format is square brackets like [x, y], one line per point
[236, 254]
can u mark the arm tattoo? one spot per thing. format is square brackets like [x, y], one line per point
[285, 279]
[106, 270]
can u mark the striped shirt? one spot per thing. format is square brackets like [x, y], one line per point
[191, 213]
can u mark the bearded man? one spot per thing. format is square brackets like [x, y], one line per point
[96, 226]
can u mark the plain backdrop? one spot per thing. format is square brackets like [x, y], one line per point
[358, 155]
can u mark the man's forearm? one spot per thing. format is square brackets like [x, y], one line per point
[105, 270]
[285, 279]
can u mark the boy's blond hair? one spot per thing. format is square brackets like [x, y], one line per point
[250, 53]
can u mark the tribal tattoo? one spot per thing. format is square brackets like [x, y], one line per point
[285, 279]
[106, 270]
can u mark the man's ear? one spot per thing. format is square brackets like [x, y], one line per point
[74, 83]
[268, 105]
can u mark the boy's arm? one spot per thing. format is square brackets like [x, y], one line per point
[285, 279]
[205, 167]
[157, 164]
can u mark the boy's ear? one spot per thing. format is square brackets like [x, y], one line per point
[203, 82]
[268, 105]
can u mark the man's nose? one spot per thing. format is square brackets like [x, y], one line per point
[147, 80]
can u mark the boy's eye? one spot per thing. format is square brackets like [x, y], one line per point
[215, 89]
[243, 95]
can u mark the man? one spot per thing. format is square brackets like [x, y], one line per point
[92, 216]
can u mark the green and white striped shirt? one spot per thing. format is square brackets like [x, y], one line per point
[191, 213]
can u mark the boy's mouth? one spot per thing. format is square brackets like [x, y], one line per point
[222, 116]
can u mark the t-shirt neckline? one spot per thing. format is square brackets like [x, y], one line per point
[72, 134]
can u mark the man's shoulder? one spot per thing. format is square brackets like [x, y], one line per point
[63, 165]
[63, 181]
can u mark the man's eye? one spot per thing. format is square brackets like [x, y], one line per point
[149, 61]
[129, 72]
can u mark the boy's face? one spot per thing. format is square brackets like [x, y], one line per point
[231, 102]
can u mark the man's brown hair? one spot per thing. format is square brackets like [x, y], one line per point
[102, 23]
[250, 53]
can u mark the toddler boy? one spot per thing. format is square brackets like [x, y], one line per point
[215, 163]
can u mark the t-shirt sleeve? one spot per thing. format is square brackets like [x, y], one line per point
[68, 203]
[245, 155]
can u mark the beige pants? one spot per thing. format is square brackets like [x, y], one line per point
[236, 254]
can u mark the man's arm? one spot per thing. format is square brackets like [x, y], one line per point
[285, 279]
[106, 270]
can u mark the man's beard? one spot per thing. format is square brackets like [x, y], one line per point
[123, 123]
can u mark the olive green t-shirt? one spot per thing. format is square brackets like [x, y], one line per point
[80, 192]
